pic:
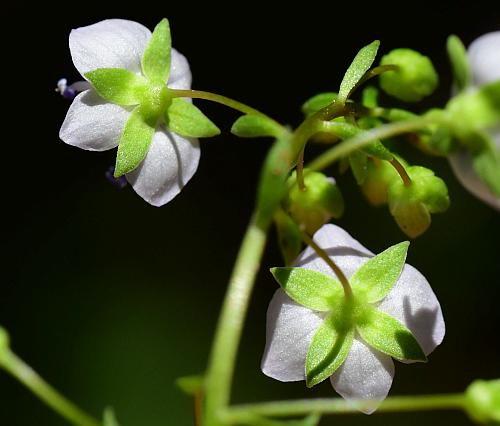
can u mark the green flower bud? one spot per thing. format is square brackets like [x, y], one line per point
[475, 110]
[436, 139]
[289, 237]
[415, 79]
[412, 205]
[482, 401]
[317, 204]
[379, 175]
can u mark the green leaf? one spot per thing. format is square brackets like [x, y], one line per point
[359, 66]
[359, 165]
[388, 335]
[459, 62]
[311, 289]
[379, 274]
[486, 164]
[254, 126]
[329, 348]
[156, 58]
[118, 85]
[187, 120]
[135, 141]
[318, 102]
[190, 385]
[109, 418]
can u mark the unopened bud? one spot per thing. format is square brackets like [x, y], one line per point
[482, 401]
[317, 203]
[414, 79]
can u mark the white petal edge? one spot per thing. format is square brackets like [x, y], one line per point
[169, 164]
[180, 73]
[461, 164]
[365, 375]
[112, 43]
[345, 251]
[413, 303]
[484, 58]
[92, 123]
[289, 330]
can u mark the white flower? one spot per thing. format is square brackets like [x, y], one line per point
[366, 373]
[95, 124]
[484, 60]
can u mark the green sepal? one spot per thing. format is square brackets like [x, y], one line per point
[135, 141]
[318, 102]
[254, 126]
[358, 161]
[190, 385]
[389, 336]
[486, 164]
[118, 85]
[309, 288]
[272, 183]
[459, 62]
[109, 417]
[289, 237]
[378, 275]
[156, 58]
[379, 176]
[378, 150]
[183, 118]
[359, 66]
[328, 350]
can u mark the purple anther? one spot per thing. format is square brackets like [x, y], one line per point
[120, 182]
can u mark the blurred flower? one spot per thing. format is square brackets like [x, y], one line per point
[366, 374]
[95, 124]
[484, 61]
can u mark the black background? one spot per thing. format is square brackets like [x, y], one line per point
[112, 299]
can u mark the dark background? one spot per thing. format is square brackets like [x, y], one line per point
[112, 299]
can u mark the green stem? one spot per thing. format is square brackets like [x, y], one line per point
[29, 378]
[223, 356]
[362, 139]
[303, 407]
[231, 103]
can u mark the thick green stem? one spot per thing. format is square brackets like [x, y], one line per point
[29, 378]
[362, 139]
[303, 407]
[223, 356]
[213, 97]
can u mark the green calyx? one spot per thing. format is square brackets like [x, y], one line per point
[412, 205]
[414, 79]
[436, 139]
[482, 401]
[378, 177]
[152, 100]
[315, 205]
[345, 316]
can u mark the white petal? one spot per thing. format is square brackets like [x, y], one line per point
[345, 251]
[112, 43]
[412, 302]
[180, 73]
[366, 374]
[92, 123]
[170, 163]
[461, 164]
[290, 329]
[484, 58]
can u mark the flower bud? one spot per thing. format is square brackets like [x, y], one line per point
[482, 401]
[436, 139]
[411, 205]
[414, 79]
[317, 204]
[379, 175]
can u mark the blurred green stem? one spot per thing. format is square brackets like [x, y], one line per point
[303, 407]
[16, 367]
[223, 356]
